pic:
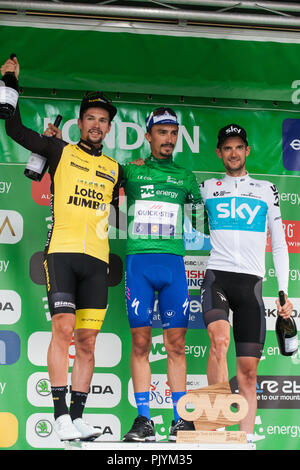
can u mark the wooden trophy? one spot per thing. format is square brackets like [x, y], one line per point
[212, 410]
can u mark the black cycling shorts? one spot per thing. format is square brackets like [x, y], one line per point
[77, 283]
[222, 291]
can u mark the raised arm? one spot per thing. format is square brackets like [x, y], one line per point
[28, 138]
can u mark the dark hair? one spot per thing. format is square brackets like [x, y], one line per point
[162, 110]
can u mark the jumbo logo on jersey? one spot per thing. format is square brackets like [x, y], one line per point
[237, 214]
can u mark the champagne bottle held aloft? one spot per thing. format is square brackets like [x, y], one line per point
[286, 331]
[37, 164]
[9, 94]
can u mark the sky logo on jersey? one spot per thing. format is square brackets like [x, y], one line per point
[291, 144]
[237, 213]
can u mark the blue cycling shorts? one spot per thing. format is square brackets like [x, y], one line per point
[163, 273]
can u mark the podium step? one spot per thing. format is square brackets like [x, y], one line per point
[152, 447]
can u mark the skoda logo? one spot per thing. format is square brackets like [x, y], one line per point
[43, 387]
[43, 428]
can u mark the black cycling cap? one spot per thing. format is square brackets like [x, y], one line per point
[97, 100]
[232, 130]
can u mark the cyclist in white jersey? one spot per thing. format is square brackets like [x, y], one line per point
[241, 210]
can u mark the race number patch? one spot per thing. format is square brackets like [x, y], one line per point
[155, 218]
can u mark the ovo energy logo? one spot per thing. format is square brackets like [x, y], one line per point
[11, 227]
[211, 412]
[147, 191]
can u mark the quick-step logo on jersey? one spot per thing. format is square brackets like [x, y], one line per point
[237, 213]
[155, 218]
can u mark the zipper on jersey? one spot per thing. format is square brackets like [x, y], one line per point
[87, 217]
[237, 256]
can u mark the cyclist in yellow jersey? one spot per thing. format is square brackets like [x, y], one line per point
[84, 183]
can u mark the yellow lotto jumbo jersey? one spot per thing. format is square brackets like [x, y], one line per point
[82, 187]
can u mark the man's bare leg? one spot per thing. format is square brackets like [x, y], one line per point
[247, 377]
[139, 360]
[174, 340]
[84, 362]
[219, 335]
[63, 325]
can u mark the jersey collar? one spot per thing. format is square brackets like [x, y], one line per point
[87, 147]
[161, 161]
[238, 179]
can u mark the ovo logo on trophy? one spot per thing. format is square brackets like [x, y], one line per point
[212, 408]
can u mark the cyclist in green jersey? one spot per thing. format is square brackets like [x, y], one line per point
[157, 193]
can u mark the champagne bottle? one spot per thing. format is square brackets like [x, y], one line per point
[286, 332]
[9, 94]
[37, 164]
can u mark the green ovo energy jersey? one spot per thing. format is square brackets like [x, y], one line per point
[159, 194]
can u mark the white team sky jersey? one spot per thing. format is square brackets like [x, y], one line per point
[241, 210]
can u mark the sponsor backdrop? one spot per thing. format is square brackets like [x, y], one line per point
[26, 420]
